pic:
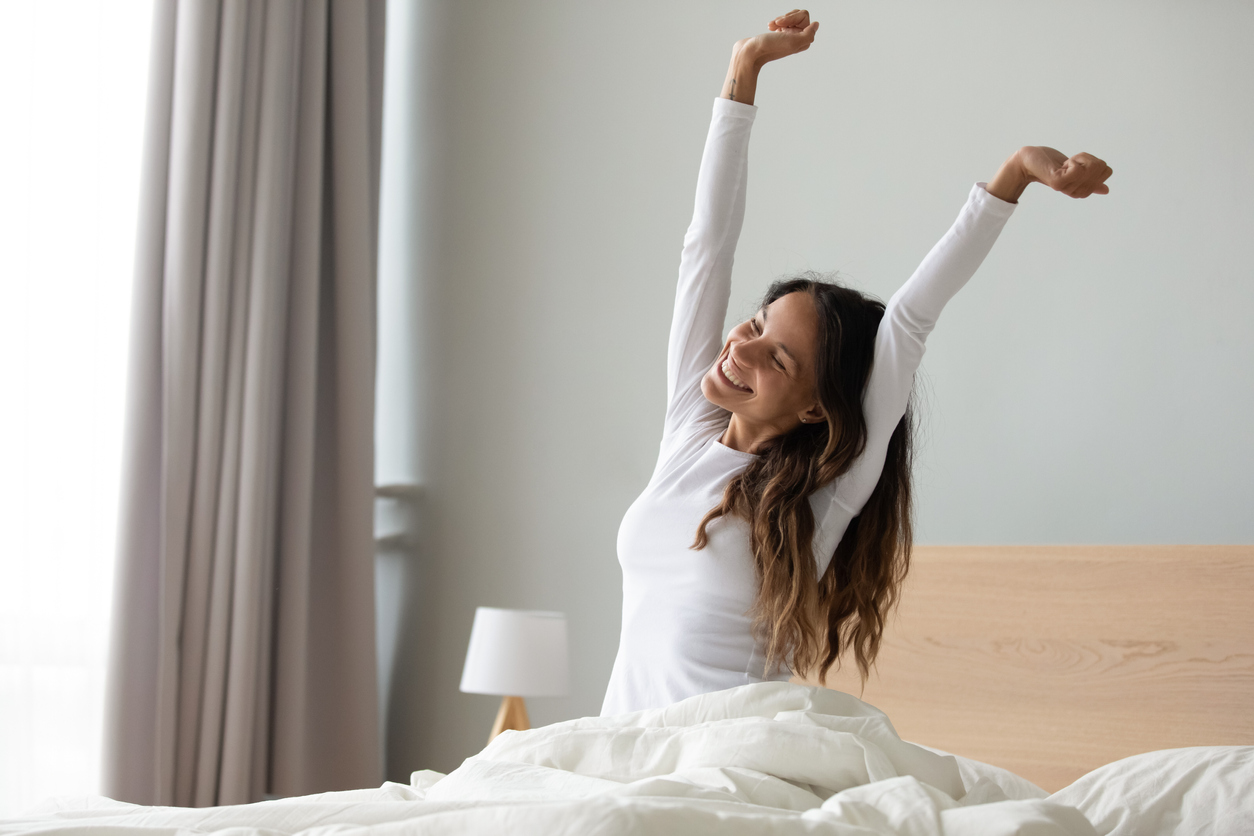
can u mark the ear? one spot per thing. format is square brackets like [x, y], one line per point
[813, 414]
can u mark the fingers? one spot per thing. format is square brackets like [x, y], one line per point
[1094, 175]
[1083, 175]
[796, 24]
[796, 19]
[806, 36]
[789, 34]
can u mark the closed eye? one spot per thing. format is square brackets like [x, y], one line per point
[753, 324]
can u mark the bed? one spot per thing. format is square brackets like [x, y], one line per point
[1034, 691]
[1051, 661]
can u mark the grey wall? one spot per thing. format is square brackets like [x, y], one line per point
[1093, 384]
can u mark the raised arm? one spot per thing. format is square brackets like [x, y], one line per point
[705, 264]
[913, 311]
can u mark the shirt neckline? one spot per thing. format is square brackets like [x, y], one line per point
[742, 454]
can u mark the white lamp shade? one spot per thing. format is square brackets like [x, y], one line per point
[520, 653]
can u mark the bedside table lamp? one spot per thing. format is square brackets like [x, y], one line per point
[516, 654]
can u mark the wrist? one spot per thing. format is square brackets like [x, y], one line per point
[1019, 164]
[742, 73]
[1011, 179]
[746, 55]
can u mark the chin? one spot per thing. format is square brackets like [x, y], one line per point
[710, 389]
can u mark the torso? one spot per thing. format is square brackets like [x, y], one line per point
[686, 623]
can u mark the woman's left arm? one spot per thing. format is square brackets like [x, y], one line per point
[914, 309]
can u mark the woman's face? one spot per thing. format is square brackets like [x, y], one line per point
[765, 373]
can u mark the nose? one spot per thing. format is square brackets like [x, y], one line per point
[749, 352]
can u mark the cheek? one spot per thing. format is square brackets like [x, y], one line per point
[785, 392]
[772, 397]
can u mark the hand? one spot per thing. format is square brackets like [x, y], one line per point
[788, 34]
[1078, 176]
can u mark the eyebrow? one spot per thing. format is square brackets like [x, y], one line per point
[781, 345]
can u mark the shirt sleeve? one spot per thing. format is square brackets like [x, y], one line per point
[705, 264]
[908, 318]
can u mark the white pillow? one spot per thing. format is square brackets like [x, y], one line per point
[1202, 791]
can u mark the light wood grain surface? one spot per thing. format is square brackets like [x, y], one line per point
[1050, 661]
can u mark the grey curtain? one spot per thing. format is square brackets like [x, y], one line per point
[243, 649]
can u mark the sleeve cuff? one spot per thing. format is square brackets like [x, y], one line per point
[727, 107]
[986, 203]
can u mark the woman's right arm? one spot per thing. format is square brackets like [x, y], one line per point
[705, 264]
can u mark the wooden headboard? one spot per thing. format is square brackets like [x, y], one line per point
[1050, 661]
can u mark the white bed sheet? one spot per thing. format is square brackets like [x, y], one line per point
[973, 771]
[771, 758]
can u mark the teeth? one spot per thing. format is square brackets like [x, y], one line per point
[727, 370]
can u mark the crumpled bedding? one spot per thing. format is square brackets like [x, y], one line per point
[767, 758]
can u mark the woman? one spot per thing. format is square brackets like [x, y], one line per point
[775, 531]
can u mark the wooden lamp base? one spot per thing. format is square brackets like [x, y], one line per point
[513, 715]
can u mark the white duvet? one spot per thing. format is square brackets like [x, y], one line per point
[770, 758]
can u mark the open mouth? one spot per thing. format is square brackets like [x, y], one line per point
[729, 375]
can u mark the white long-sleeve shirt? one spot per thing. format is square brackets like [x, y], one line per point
[685, 625]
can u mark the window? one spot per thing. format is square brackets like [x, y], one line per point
[73, 85]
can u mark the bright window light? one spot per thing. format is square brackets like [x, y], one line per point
[73, 85]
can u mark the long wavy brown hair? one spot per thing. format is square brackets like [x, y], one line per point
[804, 620]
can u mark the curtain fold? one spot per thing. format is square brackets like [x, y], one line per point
[243, 651]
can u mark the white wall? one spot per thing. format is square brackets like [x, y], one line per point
[1093, 384]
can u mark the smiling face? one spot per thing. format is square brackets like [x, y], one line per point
[765, 374]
